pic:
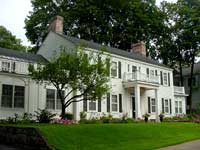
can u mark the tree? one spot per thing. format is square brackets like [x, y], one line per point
[7, 40]
[182, 42]
[77, 73]
[116, 23]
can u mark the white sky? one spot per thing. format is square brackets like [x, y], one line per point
[14, 12]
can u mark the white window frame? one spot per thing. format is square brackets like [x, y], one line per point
[5, 66]
[114, 103]
[113, 63]
[13, 97]
[55, 99]
[178, 106]
[89, 103]
[168, 107]
[165, 79]
[153, 105]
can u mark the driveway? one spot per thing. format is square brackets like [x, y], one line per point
[5, 147]
[193, 145]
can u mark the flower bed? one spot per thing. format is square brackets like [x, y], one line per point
[64, 121]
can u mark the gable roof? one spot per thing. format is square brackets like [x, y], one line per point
[22, 55]
[116, 51]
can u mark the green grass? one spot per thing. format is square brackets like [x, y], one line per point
[138, 136]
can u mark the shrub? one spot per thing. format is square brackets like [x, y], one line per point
[69, 116]
[44, 116]
[106, 119]
[64, 121]
[83, 115]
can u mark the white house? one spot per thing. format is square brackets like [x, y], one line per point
[139, 85]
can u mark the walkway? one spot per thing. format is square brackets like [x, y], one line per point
[193, 145]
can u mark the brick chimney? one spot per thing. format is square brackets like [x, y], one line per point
[139, 48]
[56, 25]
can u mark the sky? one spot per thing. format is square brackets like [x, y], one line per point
[14, 12]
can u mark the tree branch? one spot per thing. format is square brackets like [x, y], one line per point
[74, 101]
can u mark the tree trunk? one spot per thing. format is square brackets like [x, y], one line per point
[181, 72]
[191, 83]
[63, 112]
[61, 96]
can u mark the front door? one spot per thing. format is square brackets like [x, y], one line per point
[133, 107]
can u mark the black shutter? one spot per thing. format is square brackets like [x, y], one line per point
[85, 103]
[147, 71]
[99, 105]
[161, 78]
[108, 102]
[149, 105]
[120, 102]
[156, 72]
[163, 111]
[169, 79]
[170, 105]
[119, 70]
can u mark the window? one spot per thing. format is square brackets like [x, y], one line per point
[114, 69]
[53, 100]
[13, 66]
[12, 96]
[7, 93]
[178, 107]
[114, 104]
[5, 66]
[92, 105]
[165, 78]
[166, 106]
[153, 105]
[152, 73]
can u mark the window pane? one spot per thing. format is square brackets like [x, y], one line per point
[19, 97]
[165, 78]
[180, 107]
[50, 99]
[7, 92]
[153, 105]
[114, 107]
[166, 106]
[5, 66]
[114, 69]
[92, 105]
[114, 103]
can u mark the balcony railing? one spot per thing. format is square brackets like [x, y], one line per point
[138, 76]
[179, 90]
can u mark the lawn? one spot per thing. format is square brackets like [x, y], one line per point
[138, 136]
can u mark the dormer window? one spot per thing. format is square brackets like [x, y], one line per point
[5, 66]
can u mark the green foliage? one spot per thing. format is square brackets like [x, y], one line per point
[83, 115]
[44, 116]
[98, 20]
[25, 118]
[178, 118]
[7, 40]
[69, 116]
[76, 73]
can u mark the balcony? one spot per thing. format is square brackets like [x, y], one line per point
[179, 90]
[141, 77]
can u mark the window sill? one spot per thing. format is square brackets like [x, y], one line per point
[13, 109]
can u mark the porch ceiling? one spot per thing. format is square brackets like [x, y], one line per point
[146, 85]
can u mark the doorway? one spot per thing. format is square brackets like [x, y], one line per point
[133, 107]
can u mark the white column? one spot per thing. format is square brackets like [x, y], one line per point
[137, 102]
[76, 109]
[157, 106]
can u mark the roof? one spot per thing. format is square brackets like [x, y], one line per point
[22, 55]
[186, 71]
[116, 51]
